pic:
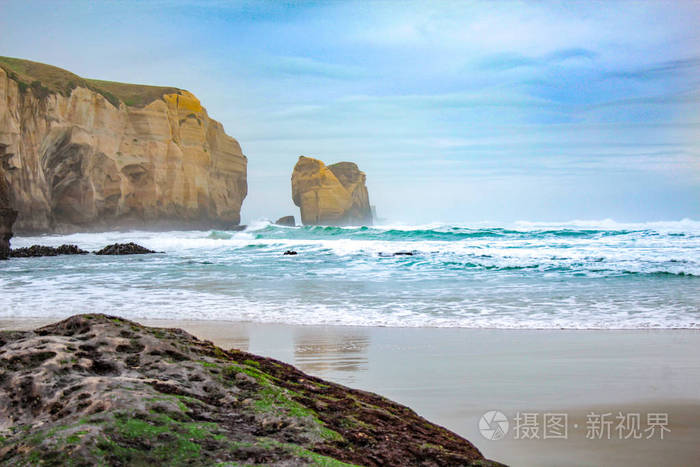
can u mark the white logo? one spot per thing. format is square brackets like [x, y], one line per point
[493, 425]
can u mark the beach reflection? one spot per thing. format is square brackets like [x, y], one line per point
[240, 342]
[327, 352]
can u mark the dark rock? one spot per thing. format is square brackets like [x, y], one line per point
[40, 250]
[290, 252]
[287, 221]
[124, 249]
[7, 217]
[398, 253]
[90, 400]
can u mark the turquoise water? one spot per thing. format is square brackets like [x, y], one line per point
[525, 275]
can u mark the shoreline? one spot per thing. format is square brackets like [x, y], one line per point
[452, 376]
[21, 323]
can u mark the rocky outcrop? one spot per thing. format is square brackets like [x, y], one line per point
[332, 195]
[93, 155]
[286, 221]
[40, 250]
[7, 217]
[130, 248]
[100, 390]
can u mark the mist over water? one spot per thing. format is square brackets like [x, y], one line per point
[581, 274]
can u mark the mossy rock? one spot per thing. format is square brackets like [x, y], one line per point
[102, 390]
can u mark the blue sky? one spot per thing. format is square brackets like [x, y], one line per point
[457, 111]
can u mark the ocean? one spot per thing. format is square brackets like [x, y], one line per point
[527, 275]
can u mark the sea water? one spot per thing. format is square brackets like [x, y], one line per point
[576, 275]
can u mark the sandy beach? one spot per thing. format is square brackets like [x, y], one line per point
[454, 376]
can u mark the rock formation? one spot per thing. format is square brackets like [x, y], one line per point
[354, 181]
[332, 195]
[130, 248]
[35, 251]
[84, 154]
[287, 221]
[101, 390]
[7, 217]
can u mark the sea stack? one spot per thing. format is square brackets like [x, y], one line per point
[84, 154]
[7, 216]
[330, 195]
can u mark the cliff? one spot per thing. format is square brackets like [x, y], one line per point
[7, 217]
[330, 195]
[85, 154]
[100, 390]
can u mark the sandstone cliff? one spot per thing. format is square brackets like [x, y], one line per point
[87, 155]
[332, 195]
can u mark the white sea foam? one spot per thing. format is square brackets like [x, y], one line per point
[578, 274]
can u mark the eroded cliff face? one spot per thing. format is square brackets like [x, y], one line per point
[7, 217]
[80, 158]
[330, 195]
[354, 181]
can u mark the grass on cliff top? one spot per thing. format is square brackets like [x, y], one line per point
[44, 79]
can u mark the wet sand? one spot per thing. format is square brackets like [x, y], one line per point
[454, 376]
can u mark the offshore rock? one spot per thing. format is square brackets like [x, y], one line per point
[39, 250]
[124, 249]
[101, 390]
[85, 154]
[333, 195]
[286, 221]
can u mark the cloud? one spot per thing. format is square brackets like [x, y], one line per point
[305, 66]
[655, 71]
[509, 61]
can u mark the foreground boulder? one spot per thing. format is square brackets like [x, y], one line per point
[124, 249]
[40, 250]
[100, 390]
[7, 215]
[85, 154]
[330, 195]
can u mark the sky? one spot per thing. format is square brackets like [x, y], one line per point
[456, 111]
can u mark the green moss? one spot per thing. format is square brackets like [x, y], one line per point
[252, 363]
[206, 364]
[273, 398]
[155, 331]
[314, 458]
[164, 438]
[76, 437]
